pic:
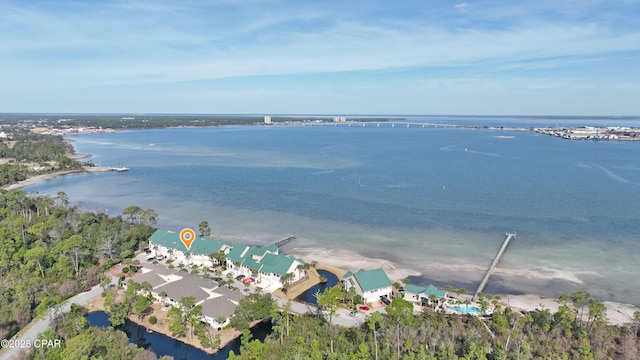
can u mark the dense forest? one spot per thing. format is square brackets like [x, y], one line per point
[577, 330]
[45, 154]
[32, 147]
[50, 250]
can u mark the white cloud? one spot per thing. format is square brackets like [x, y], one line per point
[462, 7]
[136, 43]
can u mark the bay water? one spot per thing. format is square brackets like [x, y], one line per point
[437, 200]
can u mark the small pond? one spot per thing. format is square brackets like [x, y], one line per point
[162, 344]
[309, 295]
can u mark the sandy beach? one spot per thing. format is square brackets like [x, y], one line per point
[44, 177]
[617, 313]
[351, 261]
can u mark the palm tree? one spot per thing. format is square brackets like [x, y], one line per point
[229, 279]
[286, 281]
[374, 320]
[163, 296]
[432, 300]
[256, 275]
[301, 268]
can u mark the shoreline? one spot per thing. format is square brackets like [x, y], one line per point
[37, 179]
[617, 312]
[342, 260]
[338, 262]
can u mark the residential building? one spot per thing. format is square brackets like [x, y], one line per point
[218, 303]
[168, 244]
[217, 310]
[265, 264]
[423, 295]
[372, 285]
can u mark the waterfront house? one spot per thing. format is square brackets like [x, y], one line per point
[372, 285]
[218, 303]
[217, 310]
[423, 295]
[265, 264]
[189, 285]
[167, 244]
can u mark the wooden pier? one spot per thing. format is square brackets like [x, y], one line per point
[284, 242]
[496, 260]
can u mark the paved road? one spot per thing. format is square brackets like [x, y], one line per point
[40, 325]
[343, 318]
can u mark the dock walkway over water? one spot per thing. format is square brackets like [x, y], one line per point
[496, 260]
[284, 242]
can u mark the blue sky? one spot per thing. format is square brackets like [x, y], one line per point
[540, 57]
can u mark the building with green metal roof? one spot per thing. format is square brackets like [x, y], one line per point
[265, 262]
[167, 243]
[423, 295]
[372, 285]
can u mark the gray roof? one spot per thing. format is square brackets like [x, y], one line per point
[159, 269]
[189, 285]
[220, 306]
[229, 293]
[151, 277]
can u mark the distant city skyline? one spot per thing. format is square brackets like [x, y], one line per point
[333, 57]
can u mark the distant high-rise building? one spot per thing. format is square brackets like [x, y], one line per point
[267, 120]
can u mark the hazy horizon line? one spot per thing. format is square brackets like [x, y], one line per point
[328, 115]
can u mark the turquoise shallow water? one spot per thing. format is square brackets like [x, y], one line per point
[433, 199]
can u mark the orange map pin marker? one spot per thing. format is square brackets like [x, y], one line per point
[187, 236]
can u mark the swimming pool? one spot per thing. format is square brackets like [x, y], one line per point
[467, 309]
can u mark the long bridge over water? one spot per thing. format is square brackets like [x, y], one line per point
[408, 124]
[377, 124]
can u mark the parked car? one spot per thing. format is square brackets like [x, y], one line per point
[239, 277]
[385, 300]
[87, 288]
[353, 313]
